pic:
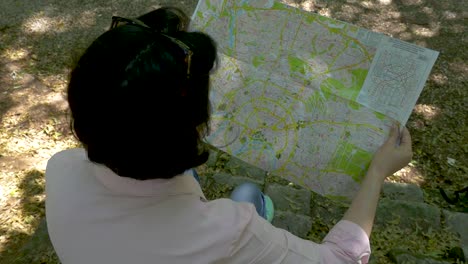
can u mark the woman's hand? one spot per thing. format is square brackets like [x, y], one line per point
[394, 154]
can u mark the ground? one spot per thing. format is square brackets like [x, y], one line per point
[41, 40]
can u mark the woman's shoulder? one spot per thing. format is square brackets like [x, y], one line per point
[65, 158]
[69, 154]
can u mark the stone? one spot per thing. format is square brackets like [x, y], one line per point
[272, 178]
[205, 178]
[325, 209]
[458, 222]
[241, 168]
[233, 181]
[403, 191]
[407, 214]
[465, 251]
[403, 257]
[214, 190]
[287, 198]
[297, 224]
[417, 18]
[213, 158]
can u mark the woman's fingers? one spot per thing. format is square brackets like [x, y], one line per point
[394, 134]
[406, 139]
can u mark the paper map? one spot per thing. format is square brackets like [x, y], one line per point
[303, 96]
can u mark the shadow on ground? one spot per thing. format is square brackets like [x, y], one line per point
[40, 41]
[31, 200]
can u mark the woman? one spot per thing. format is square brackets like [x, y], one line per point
[139, 104]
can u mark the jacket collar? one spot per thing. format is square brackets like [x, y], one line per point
[184, 183]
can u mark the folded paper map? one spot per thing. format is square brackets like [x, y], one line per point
[304, 96]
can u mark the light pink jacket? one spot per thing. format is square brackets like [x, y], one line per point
[96, 216]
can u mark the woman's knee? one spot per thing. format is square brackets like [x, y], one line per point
[246, 192]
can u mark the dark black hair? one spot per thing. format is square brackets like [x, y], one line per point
[133, 106]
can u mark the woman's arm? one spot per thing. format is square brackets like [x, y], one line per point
[345, 243]
[394, 154]
[364, 205]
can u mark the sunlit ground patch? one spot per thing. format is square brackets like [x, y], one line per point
[429, 112]
[40, 24]
[409, 174]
